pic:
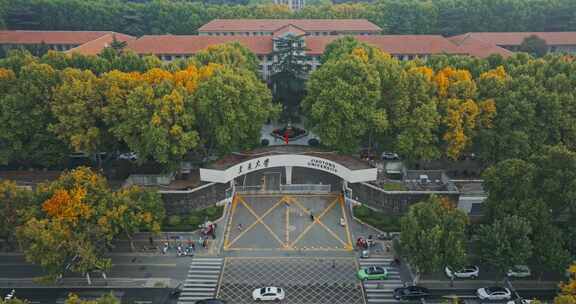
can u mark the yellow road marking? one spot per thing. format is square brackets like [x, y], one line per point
[315, 219]
[347, 227]
[227, 234]
[333, 234]
[347, 246]
[258, 220]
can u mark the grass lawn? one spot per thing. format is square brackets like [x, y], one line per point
[191, 221]
[380, 220]
[394, 187]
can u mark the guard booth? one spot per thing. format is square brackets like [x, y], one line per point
[288, 169]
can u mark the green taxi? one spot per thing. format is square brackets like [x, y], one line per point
[372, 273]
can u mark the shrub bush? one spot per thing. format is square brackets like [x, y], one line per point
[174, 220]
[213, 211]
[194, 220]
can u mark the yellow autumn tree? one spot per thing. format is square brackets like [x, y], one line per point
[568, 289]
[360, 53]
[493, 83]
[68, 205]
[455, 83]
[6, 78]
[424, 70]
[156, 76]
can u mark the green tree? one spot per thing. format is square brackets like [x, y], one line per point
[77, 105]
[131, 210]
[341, 104]
[434, 235]
[505, 242]
[16, 206]
[151, 115]
[556, 176]
[105, 299]
[413, 113]
[231, 54]
[534, 46]
[509, 184]
[289, 71]
[80, 217]
[549, 253]
[340, 48]
[232, 105]
[25, 115]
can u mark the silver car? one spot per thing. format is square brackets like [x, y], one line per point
[494, 293]
[519, 271]
[468, 272]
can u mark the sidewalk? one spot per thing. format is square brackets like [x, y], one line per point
[97, 282]
[474, 284]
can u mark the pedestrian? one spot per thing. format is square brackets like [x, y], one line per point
[311, 216]
[151, 240]
[205, 243]
[193, 245]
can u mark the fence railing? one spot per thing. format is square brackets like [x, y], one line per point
[149, 180]
[294, 188]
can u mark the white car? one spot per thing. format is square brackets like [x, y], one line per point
[389, 156]
[268, 294]
[128, 156]
[468, 272]
[519, 271]
[494, 293]
[10, 296]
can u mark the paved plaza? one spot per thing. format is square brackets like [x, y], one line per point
[319, 280]
[288, 223]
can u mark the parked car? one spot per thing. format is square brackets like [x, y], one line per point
[519, 271]
[132, 156]
[10, 295]
[389, 156]
[494, 293]
[468, 272]
[372, 273]
[411, 293]
[268, 294]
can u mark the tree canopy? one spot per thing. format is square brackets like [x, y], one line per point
[79, 218]
[446, 17]
[117, 101]
[434, 235]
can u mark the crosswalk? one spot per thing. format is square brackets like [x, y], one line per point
[381, 291]
[202, 280]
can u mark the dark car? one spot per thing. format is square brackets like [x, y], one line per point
[411, 293]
